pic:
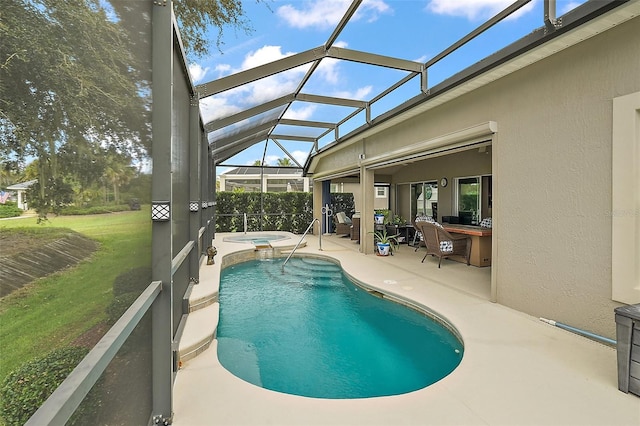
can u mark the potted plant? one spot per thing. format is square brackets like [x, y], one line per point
[381, 216]
[384, 242]
[399, 221]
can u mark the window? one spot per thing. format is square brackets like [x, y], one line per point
[468, 199]
[625, 200]
[248, 185]
[382, 200]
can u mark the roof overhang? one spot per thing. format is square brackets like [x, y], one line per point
[586, 21]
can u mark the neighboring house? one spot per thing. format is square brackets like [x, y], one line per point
[21, 190]
[546, 143]
[382, 200]
[272, 179]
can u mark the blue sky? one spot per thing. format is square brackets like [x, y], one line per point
[414, 30]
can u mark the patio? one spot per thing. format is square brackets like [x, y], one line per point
[516, 369]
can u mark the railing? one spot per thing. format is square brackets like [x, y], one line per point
[63, 402]
[300, 242]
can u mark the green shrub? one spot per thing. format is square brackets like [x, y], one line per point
[134, 280]
[343, 202]
[9, 209]
[24, 390]
[78, 210]
[126, 289]
[269, 211]
[119, 305]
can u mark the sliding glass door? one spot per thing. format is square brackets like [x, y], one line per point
[424, 199]
[469, 199]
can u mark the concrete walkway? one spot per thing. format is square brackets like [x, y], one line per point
[516, 370]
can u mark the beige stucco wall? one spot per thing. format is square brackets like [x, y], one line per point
[552, 173]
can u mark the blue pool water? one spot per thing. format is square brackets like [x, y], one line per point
[309, 331]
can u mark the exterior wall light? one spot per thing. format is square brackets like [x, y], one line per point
[160, 211]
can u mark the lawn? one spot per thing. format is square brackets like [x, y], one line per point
[54, 311]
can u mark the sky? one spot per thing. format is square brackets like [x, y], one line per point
[414, 30]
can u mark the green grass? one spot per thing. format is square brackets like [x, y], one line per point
[53, 311]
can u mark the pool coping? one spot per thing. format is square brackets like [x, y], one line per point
[514, 369]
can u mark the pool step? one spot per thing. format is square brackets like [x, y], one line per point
[301, 266]
[199, 328]
[308, 272]
[206, 291]
[199, 331]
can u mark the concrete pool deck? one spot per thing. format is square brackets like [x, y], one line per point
[516, 370]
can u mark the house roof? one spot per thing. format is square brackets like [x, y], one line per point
[22, 186]
[266, 122]
[256, 170]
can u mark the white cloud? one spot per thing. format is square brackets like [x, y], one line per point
[222, 69]
[271, 160]
[360, 94]
[303, 113]
[262, 56]
[300, 156]
[329, 70]
[197, 72]
[216, 107]
[255, 93]
[475, 9]
[327, 13]
[329, 67]
[268, 88]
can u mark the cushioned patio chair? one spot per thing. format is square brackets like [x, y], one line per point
[343, 224]
[417, 235]
[440, 243]
[355, 227]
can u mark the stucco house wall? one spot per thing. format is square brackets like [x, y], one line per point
[551, 165]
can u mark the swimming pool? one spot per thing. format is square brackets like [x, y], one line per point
[255, 238]
[309, 331]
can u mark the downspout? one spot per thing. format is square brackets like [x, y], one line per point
[581, 332]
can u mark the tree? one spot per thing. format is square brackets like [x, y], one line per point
[196, 17]
[118, 172]
[67, 79]
[75, 81]
[285, 162]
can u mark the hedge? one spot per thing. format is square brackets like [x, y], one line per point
[272, 211]
[269, 211]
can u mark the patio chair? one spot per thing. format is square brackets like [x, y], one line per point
[417, 235]
[486, 223]
[343, 224]
[442, 244]
[355, 228]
